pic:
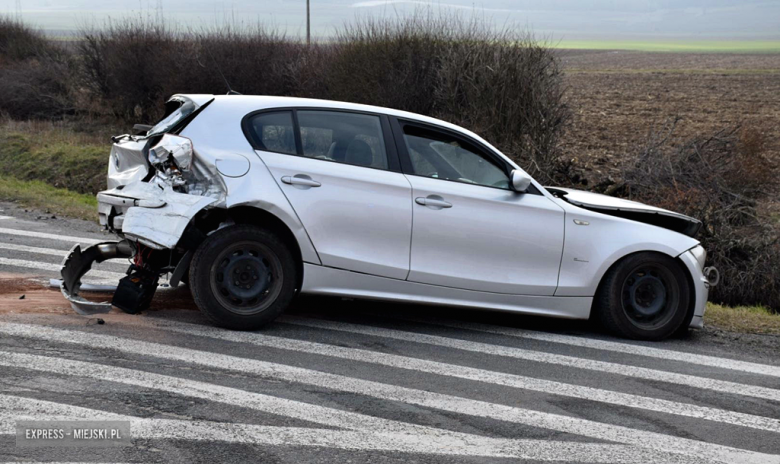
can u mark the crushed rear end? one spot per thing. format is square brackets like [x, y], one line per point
[157, 183]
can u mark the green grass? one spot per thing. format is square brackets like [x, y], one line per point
[745, 319]
[58, 156]
[42, 196]
[714, 46]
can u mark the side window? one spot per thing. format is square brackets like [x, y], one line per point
[444, 156]
[274, 132]
[343, 137]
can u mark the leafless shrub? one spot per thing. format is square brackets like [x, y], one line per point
[34, 73]
[503, 84]
[718, 179]
[19, 41]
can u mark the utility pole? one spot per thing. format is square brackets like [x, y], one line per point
[308, 23]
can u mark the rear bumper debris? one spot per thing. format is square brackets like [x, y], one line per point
[77, 263]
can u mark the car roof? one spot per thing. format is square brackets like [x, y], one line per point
[249, 103]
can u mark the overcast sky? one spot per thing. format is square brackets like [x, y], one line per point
[557, 19]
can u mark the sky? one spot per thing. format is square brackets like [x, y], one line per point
[554, 19]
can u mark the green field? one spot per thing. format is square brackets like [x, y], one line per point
[714, 46]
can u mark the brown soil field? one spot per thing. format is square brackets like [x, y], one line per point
[619, 97]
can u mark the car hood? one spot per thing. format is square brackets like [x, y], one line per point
[628, 209]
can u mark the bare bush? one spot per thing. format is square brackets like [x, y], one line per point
[19, 41]
[718, 179]
[501, 84]
[34, 73]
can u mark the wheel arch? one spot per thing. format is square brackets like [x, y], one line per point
[677, 260]
[211, 220]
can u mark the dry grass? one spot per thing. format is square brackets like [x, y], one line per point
[744, 319]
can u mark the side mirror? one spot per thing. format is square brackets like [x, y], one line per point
[520, 181]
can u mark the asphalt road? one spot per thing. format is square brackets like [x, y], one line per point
[357, 381]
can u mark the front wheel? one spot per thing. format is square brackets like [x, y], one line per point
[645, 296]
[243, 277]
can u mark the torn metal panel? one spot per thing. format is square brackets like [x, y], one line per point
[127, 162]
[161, 227]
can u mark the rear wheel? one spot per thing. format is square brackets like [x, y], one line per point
[243, 277]
[645, 296]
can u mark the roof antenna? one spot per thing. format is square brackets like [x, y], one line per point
[227, 84]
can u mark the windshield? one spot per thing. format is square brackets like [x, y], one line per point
[186, 108]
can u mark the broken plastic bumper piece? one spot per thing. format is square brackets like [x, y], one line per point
[78, 262]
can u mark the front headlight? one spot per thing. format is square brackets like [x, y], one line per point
[700, 254]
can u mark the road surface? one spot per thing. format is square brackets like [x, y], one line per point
[357, 381]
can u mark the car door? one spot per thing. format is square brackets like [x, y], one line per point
[343, 179]
[470, 230]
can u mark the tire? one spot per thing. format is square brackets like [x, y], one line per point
[242, 277]
[645, 296]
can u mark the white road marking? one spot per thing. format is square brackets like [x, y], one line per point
[469, 373]
[13, 409]
[37, 250]
[549, 358]
[102, 275]
[221, 394]
[63, 238]
[606, 345]
[5, 217]
[454, 404]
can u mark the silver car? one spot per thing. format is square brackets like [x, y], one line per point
[250, 200]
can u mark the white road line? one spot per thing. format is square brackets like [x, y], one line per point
[13, 409]
[51, 252]
[469, 373]
[606, 345]
[63, 238]
[548, 358]
[36, 250]
[217, 393]
[5, 217]
[454, 404]
[102, 275]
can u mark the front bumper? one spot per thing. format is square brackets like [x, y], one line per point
[702, 278]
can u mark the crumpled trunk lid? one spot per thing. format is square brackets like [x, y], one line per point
[127, 162]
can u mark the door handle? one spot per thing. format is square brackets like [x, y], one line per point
[300, 179]
[433, 201]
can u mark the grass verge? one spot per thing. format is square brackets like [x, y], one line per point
[744, 319]
[42, 196]
[55, 153]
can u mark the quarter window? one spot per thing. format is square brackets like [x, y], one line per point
[343, 137]
[274, 132]
[444, 156]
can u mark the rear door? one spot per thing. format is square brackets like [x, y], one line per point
[341, 174]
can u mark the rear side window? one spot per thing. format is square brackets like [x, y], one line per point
[347, 138]
[274, 132]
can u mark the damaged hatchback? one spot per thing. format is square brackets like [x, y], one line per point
[250, 200]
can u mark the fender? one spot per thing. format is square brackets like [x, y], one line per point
[594, 242]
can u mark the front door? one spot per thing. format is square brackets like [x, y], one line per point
[471, 231]
[336, 170]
